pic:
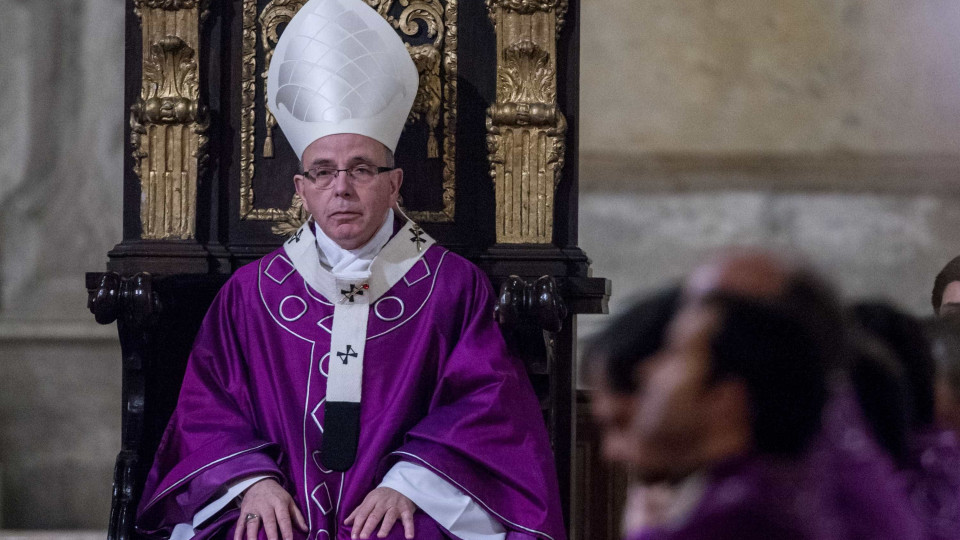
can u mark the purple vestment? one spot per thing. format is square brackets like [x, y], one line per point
[439, 390]
[855, 479]
[932, 483]
[748, 498]
[844, 488]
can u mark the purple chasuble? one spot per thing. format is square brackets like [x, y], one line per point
[932, 483]
[439, 390]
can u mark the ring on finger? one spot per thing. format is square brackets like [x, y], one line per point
[251, 516]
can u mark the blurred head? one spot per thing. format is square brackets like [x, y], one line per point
[684, 420]
[744, 272]
[348, 211]
[946, 289]
[735, 376]
[610, 361]
[945, 347]
[761, 275]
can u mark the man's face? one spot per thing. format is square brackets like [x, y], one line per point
[950, 303]
[349, 214]
[674, 398]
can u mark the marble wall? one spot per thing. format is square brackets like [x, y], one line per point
[827, 128]
[61, 75]
[770, 76]
[878, 246]
[60, 180]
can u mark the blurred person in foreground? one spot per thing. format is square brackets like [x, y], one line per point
[930, 465]
[855, 479]
[718, 432]
[610, 359]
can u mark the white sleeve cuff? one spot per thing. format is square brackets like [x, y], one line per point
[185, 531]
[455, 511]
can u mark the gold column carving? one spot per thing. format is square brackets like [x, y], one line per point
[526, 132]
[436, 99]
[168, 124]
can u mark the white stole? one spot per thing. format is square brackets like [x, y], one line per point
[352, 293]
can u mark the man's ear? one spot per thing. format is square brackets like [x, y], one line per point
[396, 180]
[300, 184]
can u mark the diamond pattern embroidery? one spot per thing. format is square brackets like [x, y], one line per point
[279, 269]
[321, 497]
[418, 273]
[313, 414]
[343, 70]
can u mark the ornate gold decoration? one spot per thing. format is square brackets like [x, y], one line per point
[528, 7]
[527, 75]
[526, 132]
[436, 62]
[426, 106]
[168, 124]
[276, 13]
[169, 5]
[291, 221]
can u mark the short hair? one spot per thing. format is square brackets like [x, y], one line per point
[768, 345]
[631, 338]
[816, 301]
[949, 274]
[905, 337]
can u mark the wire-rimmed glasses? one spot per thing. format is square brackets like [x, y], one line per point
[323, 177]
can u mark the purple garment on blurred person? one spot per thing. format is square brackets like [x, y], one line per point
[932, 483]
[859, 486]
[747, 498]
[845, 488]
[439, 390]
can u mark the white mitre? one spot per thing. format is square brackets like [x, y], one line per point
[339, 67]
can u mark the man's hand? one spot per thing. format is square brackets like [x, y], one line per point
[273, 506]
[382, 504]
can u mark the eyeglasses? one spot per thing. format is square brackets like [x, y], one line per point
[323, 177]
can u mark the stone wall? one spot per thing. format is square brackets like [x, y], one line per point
[828, 128]
[61, 77]
[770, 76]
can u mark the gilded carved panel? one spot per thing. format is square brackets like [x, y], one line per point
[429, 29]
[526, 131]
[167, 123]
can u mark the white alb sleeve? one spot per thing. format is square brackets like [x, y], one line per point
[186, 531]
[455, 511]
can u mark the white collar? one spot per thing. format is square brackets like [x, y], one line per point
[392, 262]
[353, 263]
